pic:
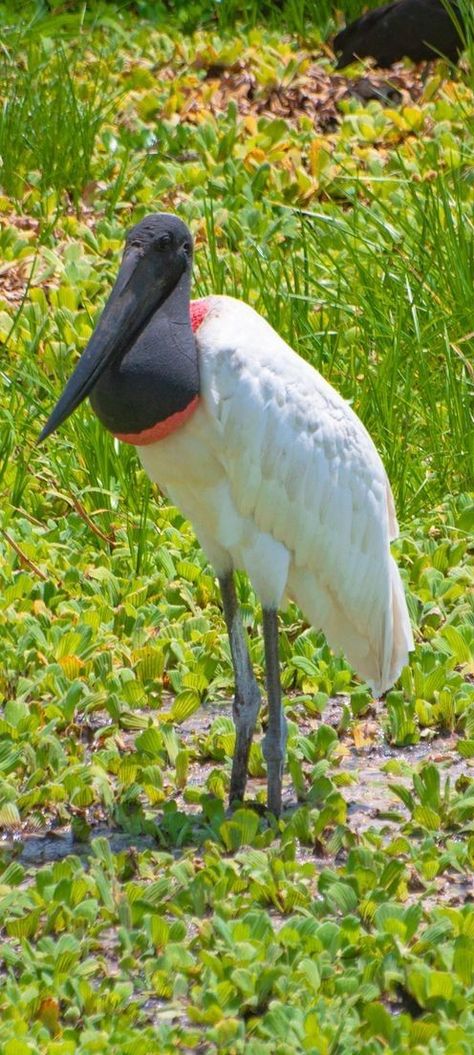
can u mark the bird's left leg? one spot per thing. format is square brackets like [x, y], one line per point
[247, 697]
[274, 743]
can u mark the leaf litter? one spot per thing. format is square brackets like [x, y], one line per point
[315, 93]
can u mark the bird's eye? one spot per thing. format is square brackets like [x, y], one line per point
[163, 242]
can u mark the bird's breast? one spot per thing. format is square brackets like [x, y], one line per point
[187, 467]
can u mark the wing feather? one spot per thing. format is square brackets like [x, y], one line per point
[302, 467]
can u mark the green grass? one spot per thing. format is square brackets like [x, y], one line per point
[54, 154]
[135, 915]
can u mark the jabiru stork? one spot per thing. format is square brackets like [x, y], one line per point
[277, 474]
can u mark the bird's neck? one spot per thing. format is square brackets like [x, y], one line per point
[154, 388]
[176, 305]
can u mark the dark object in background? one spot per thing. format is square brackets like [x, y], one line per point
[365, 90]
[413, 29]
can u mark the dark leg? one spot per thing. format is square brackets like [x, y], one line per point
[247, 693]
[274, 744]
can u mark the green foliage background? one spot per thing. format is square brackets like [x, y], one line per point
[194, 931]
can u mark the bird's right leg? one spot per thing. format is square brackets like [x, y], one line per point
[247, 693]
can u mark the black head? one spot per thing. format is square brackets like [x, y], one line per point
[157, 258]
[164, 236]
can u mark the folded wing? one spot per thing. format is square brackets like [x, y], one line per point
[302, 467]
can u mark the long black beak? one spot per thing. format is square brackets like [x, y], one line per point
[137, 293]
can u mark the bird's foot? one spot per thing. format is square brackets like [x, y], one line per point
[249, 804]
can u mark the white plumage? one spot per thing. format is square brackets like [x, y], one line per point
[280, 478]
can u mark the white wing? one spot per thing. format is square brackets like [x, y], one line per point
[303, 469]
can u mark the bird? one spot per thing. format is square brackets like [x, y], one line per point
[415, 29]
[275, 471]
